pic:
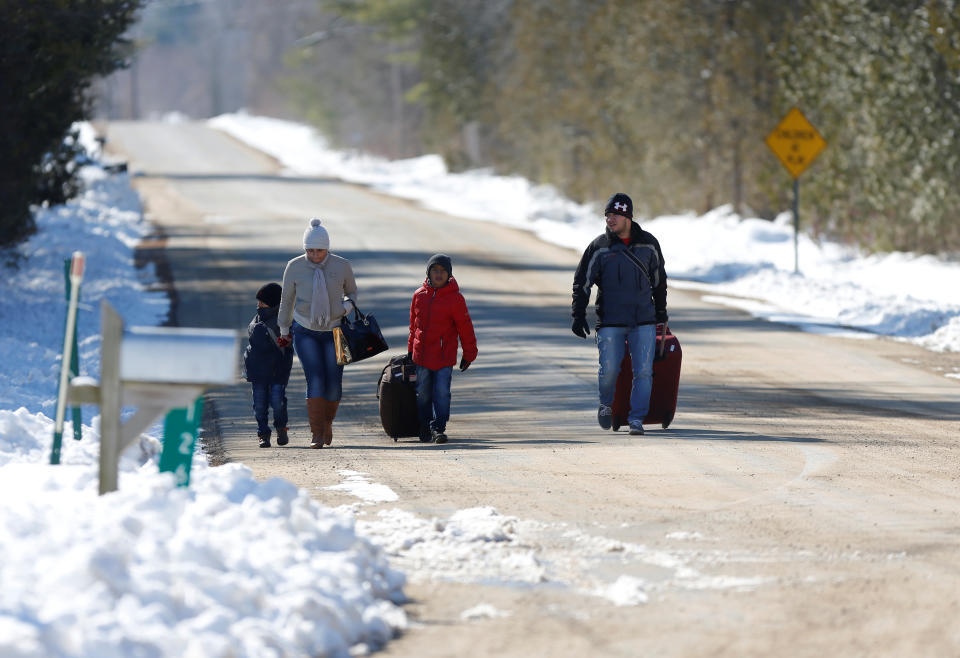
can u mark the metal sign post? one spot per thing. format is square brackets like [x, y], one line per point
[796, 225]
[70, 360]
[77, 415]
[796, 143]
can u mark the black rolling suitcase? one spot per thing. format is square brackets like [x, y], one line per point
[397, 392]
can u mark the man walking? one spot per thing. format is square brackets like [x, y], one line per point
[626, 265]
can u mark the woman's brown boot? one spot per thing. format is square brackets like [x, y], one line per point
[317, 414]
[330, 413]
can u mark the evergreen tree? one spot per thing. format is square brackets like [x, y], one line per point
[49, 54]
[351, 75]
[671, 101]
[880, 80]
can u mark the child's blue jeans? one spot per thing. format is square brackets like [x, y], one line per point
[266, 397]
[640, 340]
[433, 397]
[318, 356]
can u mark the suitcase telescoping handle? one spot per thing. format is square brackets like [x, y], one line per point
[663, 340]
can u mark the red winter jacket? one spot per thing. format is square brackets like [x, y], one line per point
[437, 317]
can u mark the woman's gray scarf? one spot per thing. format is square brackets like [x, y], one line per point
[320, 299]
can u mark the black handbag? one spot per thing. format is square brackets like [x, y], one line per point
[358, 339]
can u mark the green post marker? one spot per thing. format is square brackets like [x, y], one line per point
[74, 277]
[179, 437]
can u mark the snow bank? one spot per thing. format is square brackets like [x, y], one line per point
[229, 567]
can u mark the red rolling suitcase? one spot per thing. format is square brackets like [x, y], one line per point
[666, 383]
[397, 392]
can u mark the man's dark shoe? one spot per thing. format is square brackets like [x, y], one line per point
[282, 437]
[605, 416]
[636, 429]
[426, 435]
[264, 439]
[439, 437]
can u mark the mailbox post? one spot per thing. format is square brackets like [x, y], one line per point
[154, 369]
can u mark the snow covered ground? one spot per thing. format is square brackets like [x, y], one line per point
[234, 567]
[228, 567]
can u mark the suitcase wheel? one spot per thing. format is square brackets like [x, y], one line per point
[395, 439]
[667, 421]
[615, 427]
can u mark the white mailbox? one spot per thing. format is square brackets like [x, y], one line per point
[154, 369]
[172, 355]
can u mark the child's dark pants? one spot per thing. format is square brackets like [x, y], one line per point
[266, 396]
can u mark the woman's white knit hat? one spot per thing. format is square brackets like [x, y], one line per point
[316, 237]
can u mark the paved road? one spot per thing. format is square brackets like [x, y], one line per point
[804, 502]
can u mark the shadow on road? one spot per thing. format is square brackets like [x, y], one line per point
[528, 357]
[456, 443]
[237, 177]
[692, 434]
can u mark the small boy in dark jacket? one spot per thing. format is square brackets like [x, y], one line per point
[438, 317]
[267, 366]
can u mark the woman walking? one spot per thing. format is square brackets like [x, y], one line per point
[318, 290]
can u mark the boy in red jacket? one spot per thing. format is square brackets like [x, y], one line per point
[438, 317]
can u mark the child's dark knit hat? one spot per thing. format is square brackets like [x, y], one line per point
[443, 261]
[269, 294]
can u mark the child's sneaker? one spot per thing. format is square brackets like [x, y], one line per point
[636, 429]
[605, 416]
[439, 437]
[282, 437]
[264, 439]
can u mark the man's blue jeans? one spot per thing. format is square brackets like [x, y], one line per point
[265, 397]
[433, 397]
[640, 340]
[318, 356]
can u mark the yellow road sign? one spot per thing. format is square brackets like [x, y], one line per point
[796, 142]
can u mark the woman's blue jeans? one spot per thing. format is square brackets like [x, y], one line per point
[266, 397]
[433, 397]
[318, 356]
[612, 342]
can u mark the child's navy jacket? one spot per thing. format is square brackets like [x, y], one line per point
[263, 360]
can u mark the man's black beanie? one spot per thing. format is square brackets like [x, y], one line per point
[443, 261]
[620, 204]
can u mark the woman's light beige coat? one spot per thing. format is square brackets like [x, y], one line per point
[298, 291]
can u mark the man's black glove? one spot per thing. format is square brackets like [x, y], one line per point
[580, 327]
[464, 364]
[662, 316]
